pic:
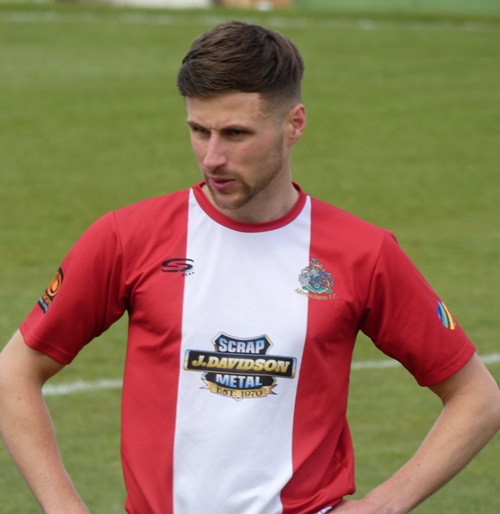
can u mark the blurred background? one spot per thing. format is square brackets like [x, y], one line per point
[464, 6]
[403, 102]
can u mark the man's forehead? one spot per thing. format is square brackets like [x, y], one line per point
[227, 108]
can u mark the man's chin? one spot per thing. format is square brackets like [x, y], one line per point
[227, 199]
[224, 203]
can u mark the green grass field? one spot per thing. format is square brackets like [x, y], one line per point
[404, 130]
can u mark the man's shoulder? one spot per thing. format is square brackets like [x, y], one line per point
[165, 203]
[151, 218]
[343, 221]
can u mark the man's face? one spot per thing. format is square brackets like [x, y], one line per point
[243, 153]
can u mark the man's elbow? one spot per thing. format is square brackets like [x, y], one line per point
[488, 408]
[495, 408]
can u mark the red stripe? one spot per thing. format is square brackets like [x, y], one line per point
[152, 370]
[322, 456]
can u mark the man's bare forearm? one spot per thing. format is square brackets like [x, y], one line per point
[470, 418]
[26, 427]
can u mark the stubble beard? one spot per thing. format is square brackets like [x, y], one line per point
[246, 191]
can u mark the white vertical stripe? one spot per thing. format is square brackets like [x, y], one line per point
[244, 286]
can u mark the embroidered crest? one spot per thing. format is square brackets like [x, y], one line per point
[316, 282]
[315, 278]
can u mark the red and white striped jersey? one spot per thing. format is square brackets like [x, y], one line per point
[240, 344]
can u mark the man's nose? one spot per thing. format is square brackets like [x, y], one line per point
[214, 155]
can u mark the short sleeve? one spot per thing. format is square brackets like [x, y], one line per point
[409, 322]
[85, 297]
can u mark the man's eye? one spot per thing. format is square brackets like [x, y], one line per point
[237, 132]
[198, 130]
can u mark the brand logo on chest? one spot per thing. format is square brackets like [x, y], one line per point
[178, 265]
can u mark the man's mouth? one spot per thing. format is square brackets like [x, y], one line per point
[220, 184]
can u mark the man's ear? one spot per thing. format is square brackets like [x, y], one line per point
[296, 123]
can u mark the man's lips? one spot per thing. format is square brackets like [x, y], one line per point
[220, 184]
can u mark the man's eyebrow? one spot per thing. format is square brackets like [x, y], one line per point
[236, 126]
[226, 128]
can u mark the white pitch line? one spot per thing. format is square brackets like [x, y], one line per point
[173, 18]
[81, 386]
[492, 358]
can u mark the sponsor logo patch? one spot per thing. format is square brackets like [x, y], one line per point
[240, 367]
[445, 316]
[50, 293]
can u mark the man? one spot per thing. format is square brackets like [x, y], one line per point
[244, 296]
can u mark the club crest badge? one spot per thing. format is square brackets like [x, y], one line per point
[316, 282]
[240, 368]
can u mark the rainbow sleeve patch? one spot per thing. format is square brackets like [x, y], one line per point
[445, 316]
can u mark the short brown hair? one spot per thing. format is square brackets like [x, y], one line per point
[242, 57]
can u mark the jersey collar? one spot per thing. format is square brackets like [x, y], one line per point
[240, 226]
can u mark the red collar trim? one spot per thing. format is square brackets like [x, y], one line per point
[240, 226]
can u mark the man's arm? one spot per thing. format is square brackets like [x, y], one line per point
[27, 429]
[470, 418]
